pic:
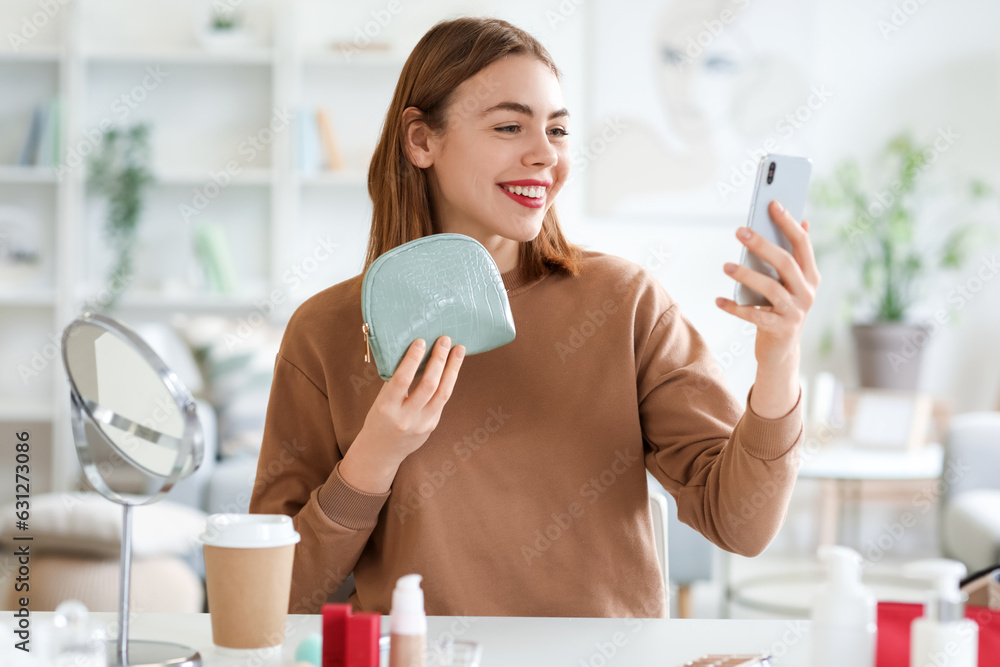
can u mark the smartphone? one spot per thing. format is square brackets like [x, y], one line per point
[781, 177]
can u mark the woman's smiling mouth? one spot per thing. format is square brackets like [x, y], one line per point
[530, 192]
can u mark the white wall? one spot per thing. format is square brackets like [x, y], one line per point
[886, 70]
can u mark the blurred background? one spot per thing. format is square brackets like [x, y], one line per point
[197, 169]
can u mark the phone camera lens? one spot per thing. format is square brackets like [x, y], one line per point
[770, 173]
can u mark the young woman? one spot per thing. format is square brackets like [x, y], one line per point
[514, 480]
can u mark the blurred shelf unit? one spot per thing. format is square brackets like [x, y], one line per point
[287, 101]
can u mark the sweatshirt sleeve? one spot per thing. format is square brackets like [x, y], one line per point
[298, 474]
[730, 470]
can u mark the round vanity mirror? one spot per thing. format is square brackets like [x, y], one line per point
[137, 434]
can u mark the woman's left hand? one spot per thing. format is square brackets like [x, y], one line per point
[779, 326]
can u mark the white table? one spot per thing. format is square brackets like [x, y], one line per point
[515, 642]
[848, 467]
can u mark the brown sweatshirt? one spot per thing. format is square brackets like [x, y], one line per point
[530, 496]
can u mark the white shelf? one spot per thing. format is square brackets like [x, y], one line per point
[94, 66]
[24, 411]
[17, 174]
[41, 298]
[134, 300]
[50, 54]
[370, 58]
[197, 177]
[349, 178]
[182, 56]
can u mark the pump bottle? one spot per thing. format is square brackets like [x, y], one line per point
[407, 623]
[843, 615]
[943, 637]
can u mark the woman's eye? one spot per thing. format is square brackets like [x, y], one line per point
[559, 132]
[509, 129]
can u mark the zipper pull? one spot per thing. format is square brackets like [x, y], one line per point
[364, 329]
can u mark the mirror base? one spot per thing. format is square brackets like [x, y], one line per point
[149, 653]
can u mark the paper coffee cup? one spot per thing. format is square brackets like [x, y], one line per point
[248, 574]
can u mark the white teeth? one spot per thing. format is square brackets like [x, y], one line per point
[534, 192]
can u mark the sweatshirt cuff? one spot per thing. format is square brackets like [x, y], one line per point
[771, 438]
[348, 506]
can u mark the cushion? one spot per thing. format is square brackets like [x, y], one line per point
[972, 528]
[237, 360]
[158, 584]
[174, 351]
[86, 523]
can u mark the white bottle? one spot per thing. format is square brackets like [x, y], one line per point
[843, 616]
[407, 623]
[943, 637]
[77, 643]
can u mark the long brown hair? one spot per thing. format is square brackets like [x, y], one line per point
[451, 52]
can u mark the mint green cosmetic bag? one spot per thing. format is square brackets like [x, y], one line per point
[437, 285]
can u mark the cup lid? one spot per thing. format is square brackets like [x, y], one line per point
[249, 531]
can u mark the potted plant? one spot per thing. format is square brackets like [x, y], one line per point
[120, 171]
[890, 256]
[223, 29]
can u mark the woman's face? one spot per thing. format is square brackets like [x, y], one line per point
[505, 128]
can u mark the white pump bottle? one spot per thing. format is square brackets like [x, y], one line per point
[943, 637]
[843, 615]
[407, 623]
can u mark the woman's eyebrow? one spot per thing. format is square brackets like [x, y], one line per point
[517, 107]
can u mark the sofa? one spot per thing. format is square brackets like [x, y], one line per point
[970, 526]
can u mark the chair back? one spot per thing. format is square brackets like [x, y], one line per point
[658, 509]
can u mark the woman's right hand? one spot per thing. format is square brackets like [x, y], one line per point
[399, 421]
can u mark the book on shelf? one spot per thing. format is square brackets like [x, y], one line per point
[41, 145]
[318, 147]
[212, 249]
[310, 150]
[331, 149]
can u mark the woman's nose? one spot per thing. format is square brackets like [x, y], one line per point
[541, 152]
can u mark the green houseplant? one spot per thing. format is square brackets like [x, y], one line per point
[120, 171]
[891, 257]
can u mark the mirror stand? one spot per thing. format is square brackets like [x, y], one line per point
[123, 651]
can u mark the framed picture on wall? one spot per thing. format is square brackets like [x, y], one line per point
[685, 97]
[884, 419]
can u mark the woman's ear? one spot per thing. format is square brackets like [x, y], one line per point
[417, 138]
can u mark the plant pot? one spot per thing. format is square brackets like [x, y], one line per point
[221, 41]
[889, 354]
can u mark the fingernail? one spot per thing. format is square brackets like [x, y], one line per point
[460, 352]
[777, 204]
[729, 267]
[743, 233]
[421, 344]
[445, 341]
